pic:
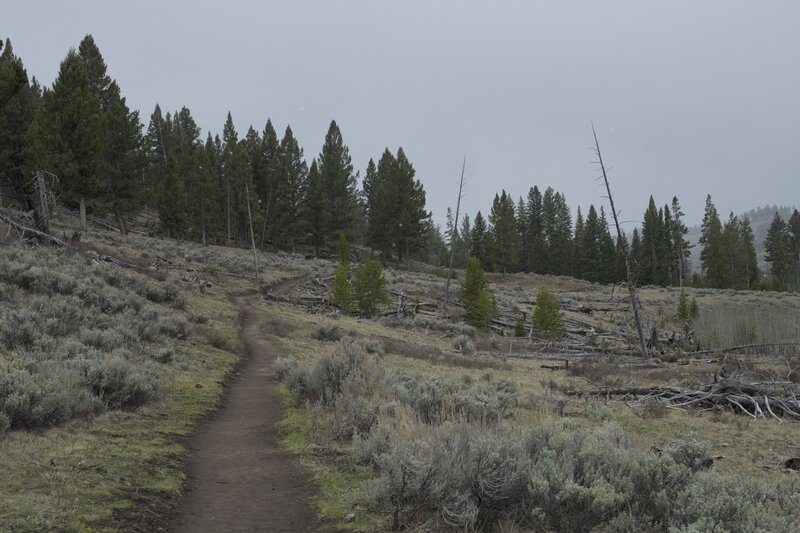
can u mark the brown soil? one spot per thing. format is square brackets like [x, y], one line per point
[239, 478]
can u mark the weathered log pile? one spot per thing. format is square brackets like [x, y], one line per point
[772, 399]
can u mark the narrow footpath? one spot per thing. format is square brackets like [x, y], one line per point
[239, 478]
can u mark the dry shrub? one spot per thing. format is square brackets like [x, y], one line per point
[599, 371]
[272, 325]
[327, 333]
[216, 339]
[436, 356]
[653, 408]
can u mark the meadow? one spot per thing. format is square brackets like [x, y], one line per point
[113, 350]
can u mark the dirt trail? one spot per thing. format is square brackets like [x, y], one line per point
[239, 479]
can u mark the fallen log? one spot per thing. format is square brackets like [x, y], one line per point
[757, 402]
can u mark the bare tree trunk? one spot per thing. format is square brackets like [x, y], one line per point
[252, 235]
[626, 249]
[123, 227]
[42, 211]
[82, 210]
[453, 237]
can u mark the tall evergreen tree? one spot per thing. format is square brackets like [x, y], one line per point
[651, 260]
[465, 233]
[777, 247]
[230, 176]
[290, 189]
[19, 102]
[535, 232]
[154, 149]
[70, 131]
[120, 165]
[505, 240]
[609, 255]
[336, 170]
[748, 246]
[181, 177]
[314, 209]
[636, 252]
[710, 240]
[590, 260]
[398, 222]
[380, 195]
[557, 226]
[681, 248]
[794, 249]
[266, 178]
[478, 246]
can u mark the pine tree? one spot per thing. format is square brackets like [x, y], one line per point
[71, 133]
[478, 303]
[557, 227]
[523, 238]
[581, 253]
[609, 254]
[650, 260]
[413, 220]
[668, 275]
[636, 252]
[120, 160]
[290, 189]
[266, 178]
[339, 183]
[750, 259]
[314, 209]
[368, 289]
[342, 292]
[181, 179]
[547, 315]
[154, 150]
[19, 103]
[794, 250]
[230, 176]
[478, 241]
[505, 242]
[380, 194]
[710, 240]
[681, 249]
[590, 254]
[397, 220]
[534, 232]
[777, 248]
[462, 253]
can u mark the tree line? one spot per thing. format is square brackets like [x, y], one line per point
[82, 131]
[208, 189]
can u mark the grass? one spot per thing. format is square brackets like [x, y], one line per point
[123, 467]
[117, 470]
[340, 486]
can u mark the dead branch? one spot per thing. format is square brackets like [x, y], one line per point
[22, 230]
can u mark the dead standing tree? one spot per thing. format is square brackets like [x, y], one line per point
[626, 250]
[453, 235]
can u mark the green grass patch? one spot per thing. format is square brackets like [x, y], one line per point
[341, 484]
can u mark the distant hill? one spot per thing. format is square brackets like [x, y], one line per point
[760, 219]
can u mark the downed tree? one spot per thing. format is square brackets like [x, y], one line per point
[757, 400]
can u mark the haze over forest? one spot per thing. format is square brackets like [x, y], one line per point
[688, 98]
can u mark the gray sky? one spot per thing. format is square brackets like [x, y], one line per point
[688, 97]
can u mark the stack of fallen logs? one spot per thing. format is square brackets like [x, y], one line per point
[757, 400]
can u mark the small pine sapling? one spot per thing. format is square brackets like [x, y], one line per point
[547, 315]
[368, 289]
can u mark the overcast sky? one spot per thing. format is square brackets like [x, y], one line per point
[688, 97]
